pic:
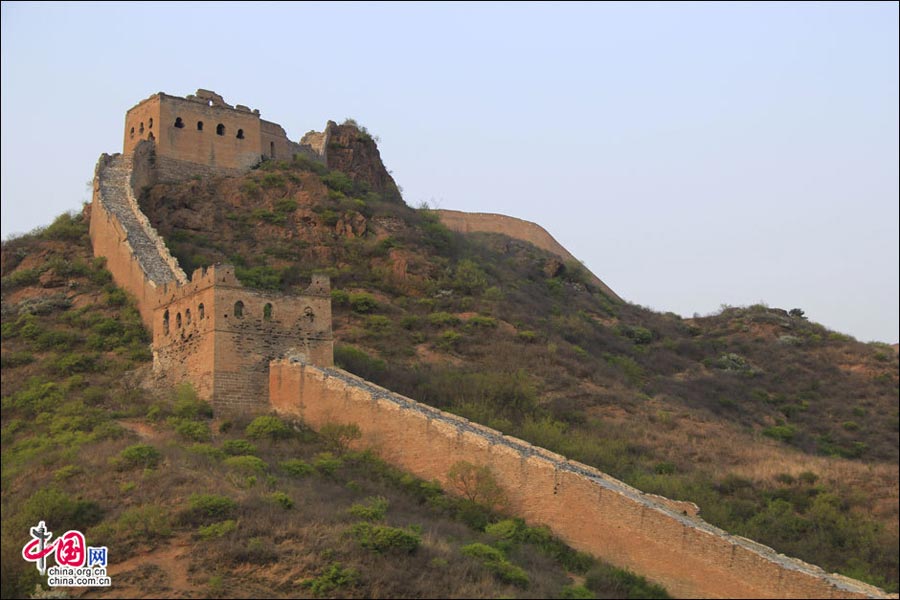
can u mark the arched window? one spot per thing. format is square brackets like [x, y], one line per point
[132, 132]
[150, 124]
[267, 311]
[220, 129]
[151, 137]
[201, 310]
[240, 134]
[187, 316]
[141, 130]
[239, 309]
[166, 322]
[178, 321]
[199, 125]
[272, 149]
[179, 123]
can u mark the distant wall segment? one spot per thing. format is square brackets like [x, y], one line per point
[519, 229]
[588, 509]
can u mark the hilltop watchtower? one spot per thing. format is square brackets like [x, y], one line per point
[202, 134]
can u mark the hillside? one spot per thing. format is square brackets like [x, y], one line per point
[196, 506]
[781, 430]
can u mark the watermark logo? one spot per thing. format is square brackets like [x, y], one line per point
[77, 564]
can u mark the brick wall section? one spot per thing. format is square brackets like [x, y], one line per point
[519, 229]
[136, 255]
[198, 337]
[588, 509]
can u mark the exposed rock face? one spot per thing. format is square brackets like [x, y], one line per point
[354, 152]
[351, 224]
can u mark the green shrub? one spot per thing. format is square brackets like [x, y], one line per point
[75, 362]
[286, 205]
[477, 484]
[187, 405]
[527, 336]
[377, 323]
[469, 278]
[65, 511]
[449, 340]
[282, 500]
[141, 456]
[15, 359]
[272, 180]
[338, 181]
[327, 463]
[339, 436]
[495, 561]
[371, 509]
[148, 522]
[268, 426]
[483, 552]
[382, 538]
[482, 321]
[216, 530]
[340, 298]
[606, 579]
[209, 507]
[296, 467]
[783, 433]
[248, 465]
[442, 319]
[576, 592]
[363, 303]
[21, 278]
[334, 578]
[358, 362]
[192, 430]
[238, 447]
[67, 227]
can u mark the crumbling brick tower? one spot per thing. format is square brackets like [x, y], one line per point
[203, 135]
[221, 336]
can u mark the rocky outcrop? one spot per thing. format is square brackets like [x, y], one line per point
[353, 151]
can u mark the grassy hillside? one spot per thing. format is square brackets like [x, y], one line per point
[781, 430]
[195, 506]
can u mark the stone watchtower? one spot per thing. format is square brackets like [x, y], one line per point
[201, 134]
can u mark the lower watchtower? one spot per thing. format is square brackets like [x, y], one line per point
[220, 336]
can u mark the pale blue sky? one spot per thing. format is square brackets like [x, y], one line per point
[690, 154]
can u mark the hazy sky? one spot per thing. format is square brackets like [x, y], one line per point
[691, 155]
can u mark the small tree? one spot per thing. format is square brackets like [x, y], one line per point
[477, 484]
[797, 312]
[338, 437]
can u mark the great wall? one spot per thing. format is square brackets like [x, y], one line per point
[244, 350]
